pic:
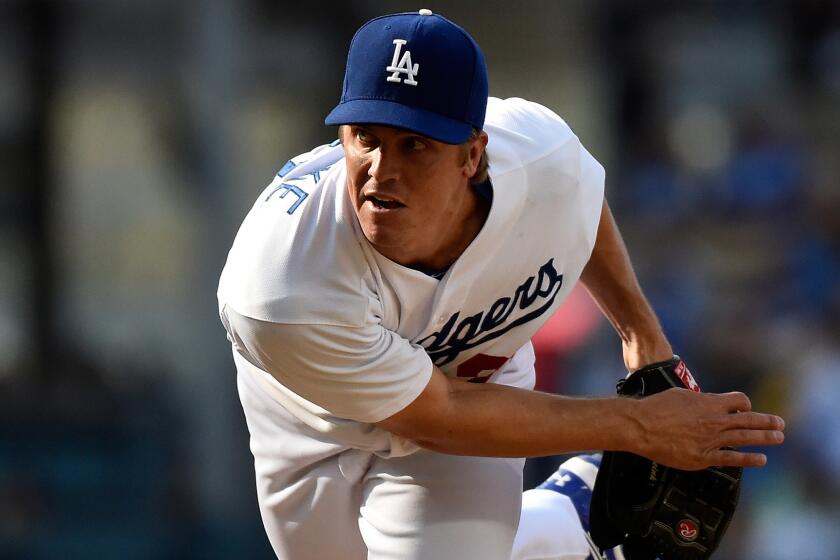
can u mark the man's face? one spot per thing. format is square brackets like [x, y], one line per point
[411, 193]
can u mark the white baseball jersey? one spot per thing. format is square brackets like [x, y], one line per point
[342, 337]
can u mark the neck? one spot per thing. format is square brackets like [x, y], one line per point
[457, 235]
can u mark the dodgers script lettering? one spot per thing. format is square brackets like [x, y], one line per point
[533, 297]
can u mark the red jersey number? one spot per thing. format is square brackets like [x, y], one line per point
[480, 367]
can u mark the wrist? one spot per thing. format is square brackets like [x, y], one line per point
[639, 353]
[630, 433]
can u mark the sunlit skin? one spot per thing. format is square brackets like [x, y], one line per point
[412, 194]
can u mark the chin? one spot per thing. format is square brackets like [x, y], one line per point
[385, 235]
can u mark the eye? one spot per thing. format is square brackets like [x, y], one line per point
[363, 136]
[417, 144]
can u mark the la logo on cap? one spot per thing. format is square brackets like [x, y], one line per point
[403, 67]
[447, 106]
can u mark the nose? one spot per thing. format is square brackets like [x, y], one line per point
[384, 165]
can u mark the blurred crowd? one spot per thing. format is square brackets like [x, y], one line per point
[134, 136]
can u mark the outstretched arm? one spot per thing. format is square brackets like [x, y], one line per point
[678, 428]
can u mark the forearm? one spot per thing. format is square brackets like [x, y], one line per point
[677, 427]
[612, 283]
[460, 418]
[532, 424]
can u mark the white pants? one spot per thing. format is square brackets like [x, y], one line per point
[549, 529]
[320, 500]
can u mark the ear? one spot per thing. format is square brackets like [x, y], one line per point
[474, 153]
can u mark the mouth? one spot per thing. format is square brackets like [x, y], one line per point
[381, 202]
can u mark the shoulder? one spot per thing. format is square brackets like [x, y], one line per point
[296, 257]
[551, 187]
[522, 131]
[531, 139]
[525, 117]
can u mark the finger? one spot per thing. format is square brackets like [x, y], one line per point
[743, 438]
[732, 458]
[736, 401]
[755, 421]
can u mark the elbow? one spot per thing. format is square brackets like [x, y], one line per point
[429, 420]
[440, 443]
[421, 433]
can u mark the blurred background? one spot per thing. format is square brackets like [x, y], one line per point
[134, 136]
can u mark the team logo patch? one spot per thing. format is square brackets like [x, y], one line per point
[533, 297]
[402, 65]
[687, 530]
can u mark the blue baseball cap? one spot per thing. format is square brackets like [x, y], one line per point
[416, 71]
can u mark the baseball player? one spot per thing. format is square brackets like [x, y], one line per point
[380, 297]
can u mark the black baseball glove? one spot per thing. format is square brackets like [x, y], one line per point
[657, 512]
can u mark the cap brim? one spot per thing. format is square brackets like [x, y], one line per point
[389, 113]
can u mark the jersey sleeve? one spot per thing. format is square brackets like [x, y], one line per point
[524, 134]
[365, 373]
[519, 370]
[591, 181]
[577, 172]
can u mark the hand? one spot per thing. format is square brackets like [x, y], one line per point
[689, 430]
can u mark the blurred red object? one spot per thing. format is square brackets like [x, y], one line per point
[571, 326]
